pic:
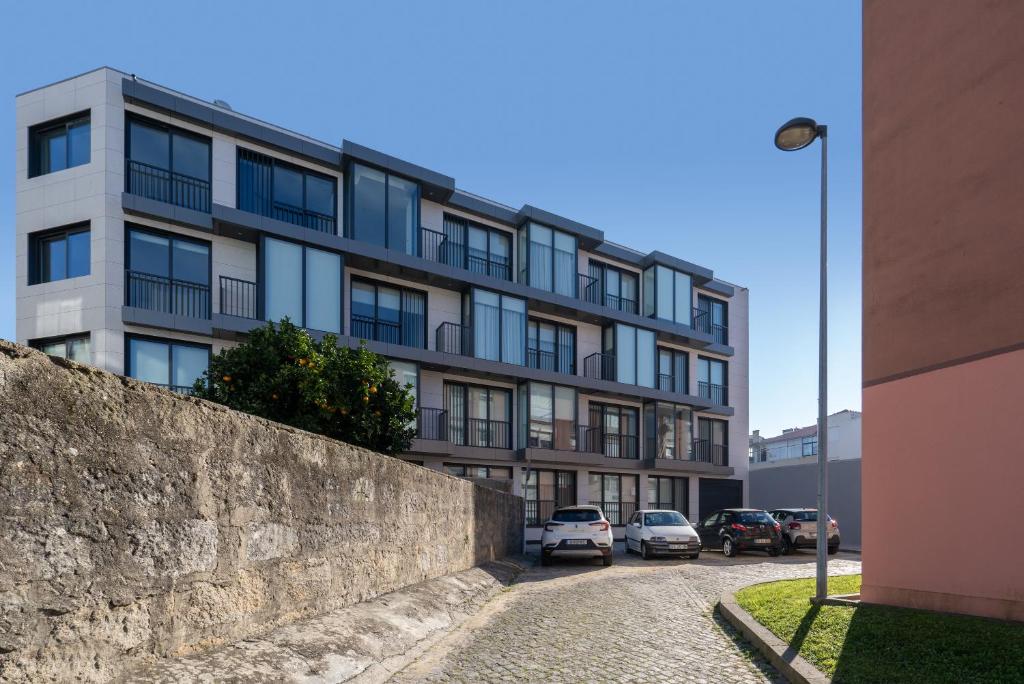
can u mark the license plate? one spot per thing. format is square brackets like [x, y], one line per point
[576, 542]
[676, 547]
[763, 541]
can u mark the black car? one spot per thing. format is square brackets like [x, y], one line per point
[740, 529]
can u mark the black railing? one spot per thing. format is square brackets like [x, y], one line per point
[480, 432]
[238, 298]
[600, 366]
[588, 288]
[615, 445]
[452, 338]
[543, 360]
[704, 451]
[434, 246]
[702, 323]
[617, 512]
[488, 266]
[588, 439]
[666, 383]
[620, 303]
[432, 423]
[366, 328]
[167, 186]
[157, 293]
[304, 217]
[539, 512]
[180, 389]
[718, 394]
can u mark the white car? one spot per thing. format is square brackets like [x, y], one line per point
[577, 532]
[661, 533]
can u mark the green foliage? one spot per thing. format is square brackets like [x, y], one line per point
[283, 374]
[883, 644]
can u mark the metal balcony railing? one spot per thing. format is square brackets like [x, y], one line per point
[563, 438]
[702, 323]
[436, 246]
[367, 328]
[453, 338]
[666, 383]
[238, 298]
[620, 303]
[157, 293]
[705, 451]
[304, 217]
[614, 445]
[617, 512]
[588, 288]
[600, 366]
[494, 434]
[539, 512]
[167, 186]
[717, 394]
[541, 359]
[432, 423]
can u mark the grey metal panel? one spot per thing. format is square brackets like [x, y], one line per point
[166, 321]
[481, 207]
[144, 206]
[563, 457]
[435, 186]
[723, 349]
[700, 274]
[613, 251]
[719, 287]
[589, 237]
[669, 466]
[720, 410]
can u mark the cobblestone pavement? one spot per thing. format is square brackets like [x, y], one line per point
[637, 621]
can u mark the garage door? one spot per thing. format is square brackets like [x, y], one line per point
[715, 494]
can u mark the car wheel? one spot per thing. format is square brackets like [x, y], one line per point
[607, 560]
[773, 552]
[728, 548]
[833, 550]
[787, 547]
[694, 556]
[545, 559]
[644, 551]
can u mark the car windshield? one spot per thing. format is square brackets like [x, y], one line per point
[807, 516]
[754, 517]
[576, 516]
[664, 519]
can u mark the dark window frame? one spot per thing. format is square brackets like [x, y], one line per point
[261, 265]
[465, 411]
[614, 351]
[131, 119]
[39, 342]
[603, 504]
[525, 260]
[464, 224]
[349, 208]
[66, 123]
[376, 297]
[680, 385]
[274, 162]
[684, 487]
[602, 410]
[470, 325]
[725, 375]
[602, 283]
[707, 304]
[35, 243]
[531, 320]
[571, 486]
[170, 342]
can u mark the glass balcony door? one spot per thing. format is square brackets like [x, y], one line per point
[168, 273]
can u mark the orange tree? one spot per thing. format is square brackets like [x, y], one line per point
[283, 374]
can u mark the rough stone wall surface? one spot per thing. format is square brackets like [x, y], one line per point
[135, 523]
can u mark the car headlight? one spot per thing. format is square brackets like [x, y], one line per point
[657, 539]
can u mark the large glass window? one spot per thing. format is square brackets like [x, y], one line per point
[711, 380]
[614, 430]
[274, 188]
[383, 209]
[712, 444]
[668, 431]
[167, 363]
[406, 374]
[713, 318]
[613, 287]
[547, 490]
[498, 323]
[58, 145]
[550, 259]
[390, 314]
[634, 350]
[472, 246]
[74, 347]
[168, 164]
[673, 371]
[668, 493]
[615, 494]
[667, 294]
[549, 417]
[479, 416]
[479, 472]
[551, 347]
[302, 284]
[59, 254]
[168, 273]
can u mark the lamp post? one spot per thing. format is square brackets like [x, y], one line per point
[797, 134]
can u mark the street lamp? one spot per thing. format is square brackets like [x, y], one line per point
[793, 135]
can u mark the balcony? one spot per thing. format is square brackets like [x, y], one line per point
[542, 359]
[589, 290]
[453, 338]
[435, 246]
[717, 394]
[702, 323]
[599, 366]
[701, 451]
[167, 295]
[480, 432]
[704, 451]
[366, 328]
[617, 512]
[238, 298]
[539, 512]
[432, 424]
[167, 186]
[613, 445]
[304, 217]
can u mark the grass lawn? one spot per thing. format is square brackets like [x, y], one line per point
[881, 644]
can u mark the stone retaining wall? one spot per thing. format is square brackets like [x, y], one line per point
[135, 523]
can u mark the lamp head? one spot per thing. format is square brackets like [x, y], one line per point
[797, 134]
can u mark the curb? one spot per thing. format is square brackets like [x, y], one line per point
[781, 655]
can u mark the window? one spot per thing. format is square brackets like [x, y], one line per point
[388, 314]
[711, 380]
[633, 349]
[614, 430]
[471, 246]
[479, 416]
[168, 273]
[673, 371]
[667, 294]
[302, 284]
[612, 287]
[809, 446]
[168, 164]
[498, 323]
[286, 192]
[548, 416]
[551, 347]
[712, 318]
[668, 493]
[668, 431]
[712, 444]
[615, 494]
[168, 363]
[58, 145]
[546, 490]
[74, 347]
[549, 259]
[59, 254]
[480, 472]
[383, 209]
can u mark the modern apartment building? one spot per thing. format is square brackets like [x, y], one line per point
[154, 229]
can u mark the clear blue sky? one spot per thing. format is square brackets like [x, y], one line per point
[651, 121]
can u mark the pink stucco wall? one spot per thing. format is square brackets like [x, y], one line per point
[943, 495]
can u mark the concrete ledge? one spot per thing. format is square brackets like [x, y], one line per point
[367, 642]
[780, 654]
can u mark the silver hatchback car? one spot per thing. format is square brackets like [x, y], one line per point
[800, 529]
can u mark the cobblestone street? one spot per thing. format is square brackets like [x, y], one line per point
[638, 621]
